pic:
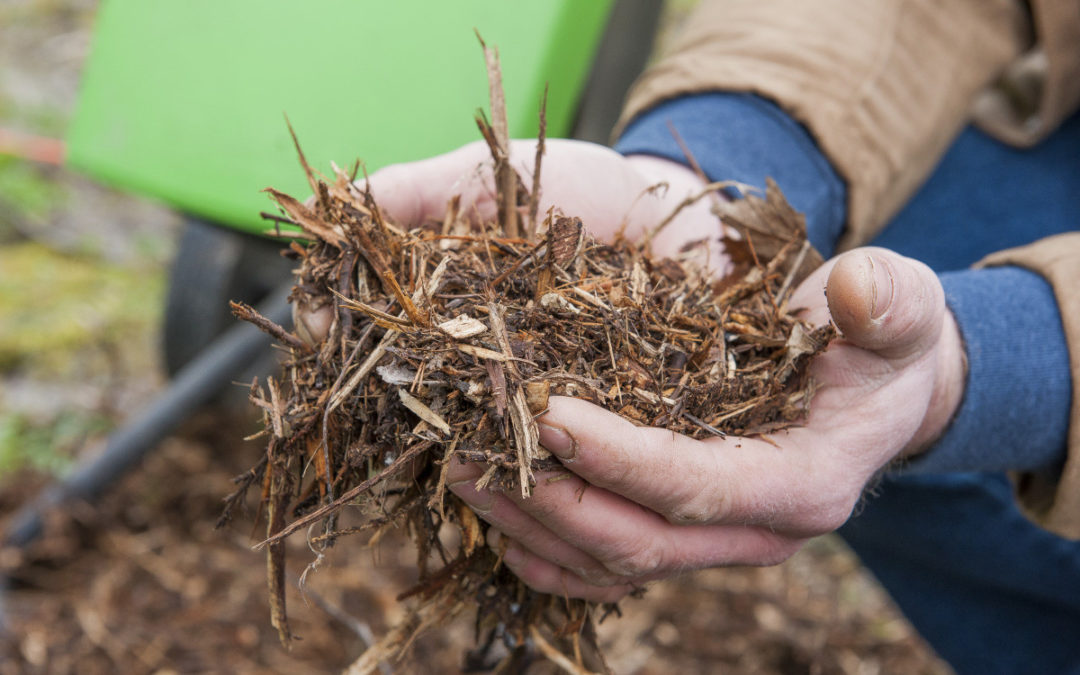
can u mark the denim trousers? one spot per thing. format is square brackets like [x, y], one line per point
[988, 589]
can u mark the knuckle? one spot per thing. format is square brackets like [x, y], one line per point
[638, 560]
[599, 577]
[688, 514]
[699, 501]
[697, 510]
[839, 502]
[829, 514]
[537, 505]
[618, 470]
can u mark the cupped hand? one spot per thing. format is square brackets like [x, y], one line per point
[608, 191]
[643, 503]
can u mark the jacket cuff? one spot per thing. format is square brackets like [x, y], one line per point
[745, 138]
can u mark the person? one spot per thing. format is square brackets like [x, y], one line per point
[944, 439]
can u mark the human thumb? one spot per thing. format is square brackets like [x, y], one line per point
[886, 303]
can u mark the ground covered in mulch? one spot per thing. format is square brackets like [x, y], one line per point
[144, 584]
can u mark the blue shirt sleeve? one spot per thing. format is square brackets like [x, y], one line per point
[746, 138]
[1015, 410]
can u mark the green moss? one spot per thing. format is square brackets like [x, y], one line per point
[47, 448]
[26, 192]
[55, 306]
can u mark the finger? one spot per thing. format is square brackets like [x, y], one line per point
[886, 303]
[686, 481]
[894, 307]
[808, 299]
[506, 516]
[311, 323]
[545, 577]
[415, 192]
[634, 543]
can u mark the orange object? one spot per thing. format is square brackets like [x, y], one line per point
[33, 148]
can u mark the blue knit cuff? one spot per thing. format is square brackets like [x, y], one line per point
[1015, 411]
[746, 138]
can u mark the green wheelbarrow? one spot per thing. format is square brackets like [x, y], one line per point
[185, 102]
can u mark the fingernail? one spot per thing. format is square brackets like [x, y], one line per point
[881, 286]
[480, 501]
[558, 441]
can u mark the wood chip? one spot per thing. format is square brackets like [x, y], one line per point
[462, 327]
[423, 412]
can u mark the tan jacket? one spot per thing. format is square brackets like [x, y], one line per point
[884, 87]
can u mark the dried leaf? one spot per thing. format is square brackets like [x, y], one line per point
[567, 237]
[396, 374]
[306, 219]
[536, 396]
[769, 224]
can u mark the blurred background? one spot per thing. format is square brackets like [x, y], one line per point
[140, 581]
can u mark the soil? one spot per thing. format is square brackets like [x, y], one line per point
[144, 584]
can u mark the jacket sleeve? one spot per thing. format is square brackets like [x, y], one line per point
[1037, 91]
[1052, 498]
[882, 86]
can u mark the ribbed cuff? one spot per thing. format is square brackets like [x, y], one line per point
[1015, 410]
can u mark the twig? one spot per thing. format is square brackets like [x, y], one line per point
[688, 201]
[246, 312]
[356, 491]
[534, 196]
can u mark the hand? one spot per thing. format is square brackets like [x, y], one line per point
[605, 189]
[593, 182]
[644, 503]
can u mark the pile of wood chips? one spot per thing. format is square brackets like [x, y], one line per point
[448, 340]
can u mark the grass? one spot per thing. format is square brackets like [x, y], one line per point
[26, 193]
[52, 306]
[67, 318]
[47, 448]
